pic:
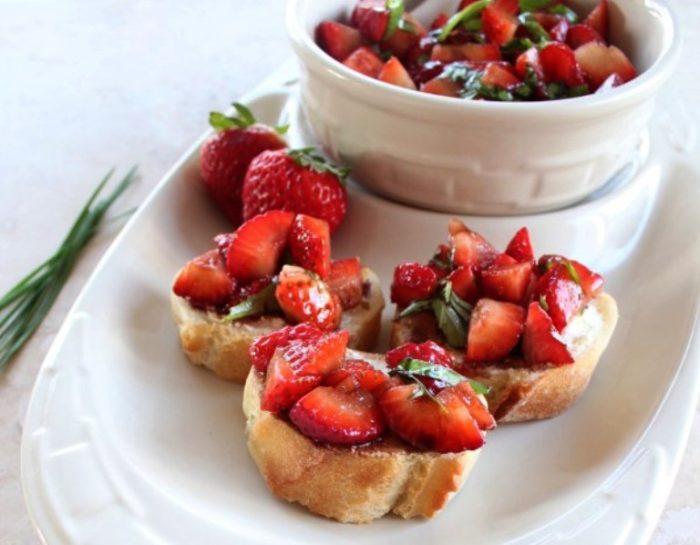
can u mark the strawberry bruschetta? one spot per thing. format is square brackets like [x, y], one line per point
[353, 436]
[533, 331]
[274, 270]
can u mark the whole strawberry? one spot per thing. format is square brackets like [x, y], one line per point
[224, 158]
[296, 180]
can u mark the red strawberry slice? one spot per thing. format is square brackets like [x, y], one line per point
[412, 281]
[204, 282]
[365, 61]
[591, 283]
[298, 181]
[258, 244]
[465, 285]
[427, 351]
[559, 31]
[331, 415]
[355, 374]
[598, 19]
[337, 39]
[541, 342]
[442, 86]
[499, 75]
[579, 35]
[520, 247]
[560, 66]
[224, 159]
[502, 260]
[469, 248]
[223, 241]
[509, 6]
[304, 298]
[440, 20]
[494, 330]
[371, 18]
[299, 367]
[562, 296]
[310, 244]
[529, 59]
[466, 52]
[393, 72]
[447, 426]
[499, 24]
[401, 41]
[345, 280]
[599, 62]
[262, 349]
[508, 283]
[477, 408]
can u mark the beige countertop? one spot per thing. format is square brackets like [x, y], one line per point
[87, 85]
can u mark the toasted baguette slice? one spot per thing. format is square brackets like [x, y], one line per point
[519, 392]
[357, 484]
[223, 346]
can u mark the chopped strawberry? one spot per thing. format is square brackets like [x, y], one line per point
[401, 41]
[599, 62]
[428, 351]
[299, 366]
[204, 282]
[499, 75]
[331, 415]
[498, 23]
[560, 30]
[310, 245]
[541, 342]
[262, 348]
[529, 59]
[441, 261]
[365, 61]
[598, 19]
[494, 330]
[465, 285]
[507, 282]
[560, 66]
[356, 374]
[296, 180]
[546, 20]
[477, 408]
[337, 39]
[509, 6]
[443, 426]
[345, 281]
[223, 241]
[442, 86]
[591, 283]
[393, 72]
[502, 260]
[257, 246]
[440, 20]
[225, 156]
[562, 295]
[371, 18]
[520, 247]
[412, 281]
[466, 52]
[304, 298]
[469, 248]
[577, 35]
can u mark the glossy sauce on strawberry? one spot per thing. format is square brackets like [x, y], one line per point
[487, 50]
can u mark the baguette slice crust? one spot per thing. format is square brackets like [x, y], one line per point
[520, 393]
[355, 485]
[223, 347]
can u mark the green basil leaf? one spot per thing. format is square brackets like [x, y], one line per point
[419, 368]
[417, 306]
[450, 324]
[396, 10]
[535, 29]
[565, 11]
[469, 12]
[533, 5]
[255, 305]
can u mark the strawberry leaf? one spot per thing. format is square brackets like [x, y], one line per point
[255, 305]
[281, 129]
[308, 158]
[243, 120]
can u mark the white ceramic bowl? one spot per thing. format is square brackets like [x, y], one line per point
[482, 157]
